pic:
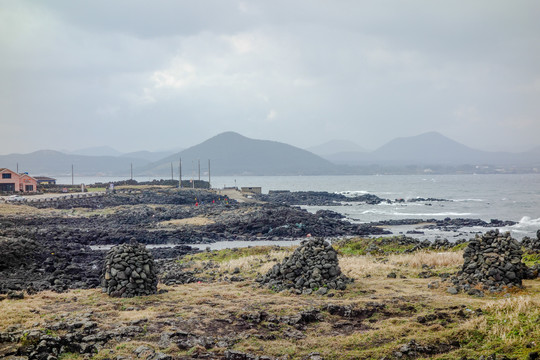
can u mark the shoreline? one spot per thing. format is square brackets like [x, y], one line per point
[209, 303]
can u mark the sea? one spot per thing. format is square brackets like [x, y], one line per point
[514, 197]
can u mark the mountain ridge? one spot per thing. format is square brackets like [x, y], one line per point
[433, 148]
[234, 154]
[55, 163]
[331, 147]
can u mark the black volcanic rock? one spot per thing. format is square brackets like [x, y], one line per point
[311, 267]
[491, 261]
[532, 244]
[129, 270]
[271, 220]
[317, 198]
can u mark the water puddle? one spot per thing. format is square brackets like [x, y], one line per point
[220, 245]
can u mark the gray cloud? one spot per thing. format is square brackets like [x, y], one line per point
[135, 75]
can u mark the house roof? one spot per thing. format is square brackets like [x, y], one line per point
[26, 175]
[43, 178]
[6, 169]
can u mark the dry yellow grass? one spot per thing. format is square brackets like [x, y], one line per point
[196, 221]
[360, 266]
[198, 305]
[510, 319]
[430, 258]
[259, 263]
[217, 308]
[11, 209]
[352, 266]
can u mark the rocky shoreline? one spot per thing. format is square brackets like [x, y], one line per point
[47, 247]
[323, 198]
[50, 250]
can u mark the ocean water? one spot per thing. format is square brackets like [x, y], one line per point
[485, 197]
[503, 196]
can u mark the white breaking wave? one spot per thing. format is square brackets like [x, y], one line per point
[396, 213]
[468, 200]
[526, 221]
[352, 193]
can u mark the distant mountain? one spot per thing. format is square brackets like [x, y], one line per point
[233, 154]
[97, 151]
[428, 148]
[335, 147]
[55, 163]
[347, 157]
[149, 155]
[433, 148]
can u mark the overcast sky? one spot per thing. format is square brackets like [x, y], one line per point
[163, 74]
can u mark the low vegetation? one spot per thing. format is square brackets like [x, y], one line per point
[376, 317]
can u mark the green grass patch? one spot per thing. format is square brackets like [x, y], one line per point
[70, 356]
[509, 326]
[531, 259]
[459, 247]
[364, 246]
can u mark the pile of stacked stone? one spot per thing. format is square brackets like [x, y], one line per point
[313, 267]
[129, 270]
[492, 262]
[532, 244]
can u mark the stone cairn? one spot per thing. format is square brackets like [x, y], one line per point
[532, 244]
[491, 261]
[313, 267]
[129, 270]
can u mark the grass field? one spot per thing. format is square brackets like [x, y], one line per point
[392, 315]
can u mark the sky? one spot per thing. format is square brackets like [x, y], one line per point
[139, 75]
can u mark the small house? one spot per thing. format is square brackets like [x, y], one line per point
[27, 183]
[10, 181]
[45, 180]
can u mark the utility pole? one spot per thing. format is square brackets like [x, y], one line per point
[17, 168]
[172, 174]
[180, 173]
[199, 169]
[209, 174]
[131, 171]
[72, 177]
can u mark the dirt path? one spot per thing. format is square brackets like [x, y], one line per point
[237, 195]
